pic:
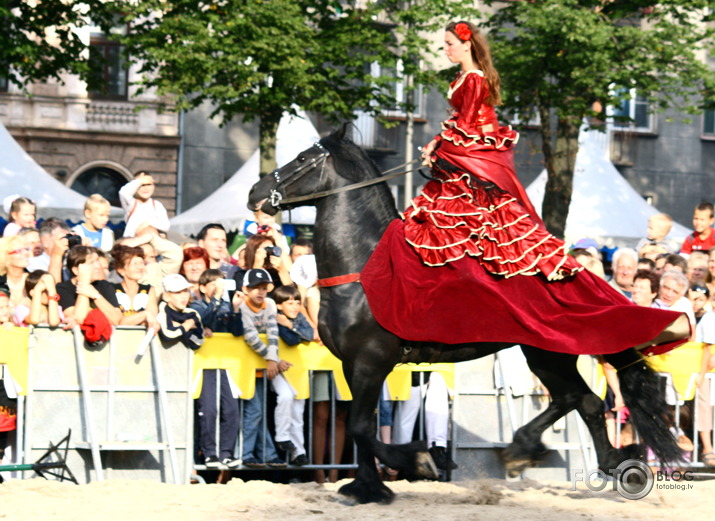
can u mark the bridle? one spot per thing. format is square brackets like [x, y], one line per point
[277, 199]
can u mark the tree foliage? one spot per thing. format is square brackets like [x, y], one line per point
[40, 40]
[569, 59]
[259, 58]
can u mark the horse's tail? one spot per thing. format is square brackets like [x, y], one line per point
[648, 409]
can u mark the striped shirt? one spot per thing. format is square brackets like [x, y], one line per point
[259, 322]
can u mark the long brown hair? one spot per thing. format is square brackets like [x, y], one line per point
[483, 58]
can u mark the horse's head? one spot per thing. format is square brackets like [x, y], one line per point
[300, 177]
[313, 172]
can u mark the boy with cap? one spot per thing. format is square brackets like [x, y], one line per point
[259, 317]
[179, 323]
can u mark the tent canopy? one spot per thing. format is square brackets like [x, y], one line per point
[228, 205]
[21, 175]
[604, 206]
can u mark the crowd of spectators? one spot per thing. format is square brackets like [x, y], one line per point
[85, 276]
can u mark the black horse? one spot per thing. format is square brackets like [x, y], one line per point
[348, 226]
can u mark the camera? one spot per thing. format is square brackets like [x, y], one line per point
[264, 228]
[73, 240]
[275, 251]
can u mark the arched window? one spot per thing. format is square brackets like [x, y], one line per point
[100, 180]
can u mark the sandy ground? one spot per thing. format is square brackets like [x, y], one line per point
[40, 500]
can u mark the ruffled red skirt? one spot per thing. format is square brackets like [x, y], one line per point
[472, 262]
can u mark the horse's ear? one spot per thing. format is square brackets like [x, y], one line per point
[343, 130]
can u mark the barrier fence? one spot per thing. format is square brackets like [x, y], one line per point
[131, 412]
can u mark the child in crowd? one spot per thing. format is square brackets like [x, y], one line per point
[178, 322]
[139, 207]
[266, 224]
[22, 212]
[5, 308]
[702, 237]
[41, 306]
[217, 316]
[259, 317]
[94, 226]
[659, 226]
[293, 328]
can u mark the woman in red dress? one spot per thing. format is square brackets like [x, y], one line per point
[490, 270]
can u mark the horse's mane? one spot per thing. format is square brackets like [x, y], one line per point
[350, 161]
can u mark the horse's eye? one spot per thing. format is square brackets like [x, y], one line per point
[301, 159]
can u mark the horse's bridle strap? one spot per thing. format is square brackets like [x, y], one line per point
[339, 280]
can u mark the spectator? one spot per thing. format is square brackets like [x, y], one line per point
[645, 288]
[671, 294]
[436, 400]
[6, 310]
[52, 230]
[299, 248]
[178, 322]
[660, 263]
[262, 253]
[140, 209]
[699, 297]
[217, 316]
[213, 239]
[266, 224]
[41, 306]
[94, 227]
[697, 269]
[32, 239]
[87, 290]
[625, 261]
[22, 212]
[675, 262]
[259, 317]
[702, 237]
[162, 257]
[659, 226]
[137, 301]
[645, 264]
[589, 261]
[705, 334]
[195, 262]
[14, 258]
[293, 328]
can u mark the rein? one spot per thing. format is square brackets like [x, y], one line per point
[277, 199]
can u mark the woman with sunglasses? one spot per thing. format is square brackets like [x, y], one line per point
[15, 255]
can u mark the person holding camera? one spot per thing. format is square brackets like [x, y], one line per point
[262, 253]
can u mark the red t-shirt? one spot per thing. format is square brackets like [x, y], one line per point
[693, 242]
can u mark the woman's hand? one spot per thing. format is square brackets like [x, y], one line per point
[427, 153]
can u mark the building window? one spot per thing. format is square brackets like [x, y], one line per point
[399, 91]
[633, 114]
[709, 123]
[109, 68]
[100, 180]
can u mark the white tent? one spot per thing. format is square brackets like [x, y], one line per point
[21, 175]
[603, 206]
[227, 205]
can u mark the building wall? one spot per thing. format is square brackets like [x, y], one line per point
[67, 132]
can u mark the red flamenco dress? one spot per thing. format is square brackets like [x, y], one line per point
[471, 261]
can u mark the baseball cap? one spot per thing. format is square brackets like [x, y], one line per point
[584, 244]
[255, 277]
[174, 283]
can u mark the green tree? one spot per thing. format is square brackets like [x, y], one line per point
[259, 58]
[567, 60]
[40, 40]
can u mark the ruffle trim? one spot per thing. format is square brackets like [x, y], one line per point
[503, 137]
[451, 218]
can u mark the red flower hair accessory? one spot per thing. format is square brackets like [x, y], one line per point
[463, 32]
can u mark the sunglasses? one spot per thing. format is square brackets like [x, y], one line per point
[20, 250]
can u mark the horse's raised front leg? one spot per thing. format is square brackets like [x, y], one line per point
[558, 372]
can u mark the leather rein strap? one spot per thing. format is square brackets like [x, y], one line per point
[339, 280]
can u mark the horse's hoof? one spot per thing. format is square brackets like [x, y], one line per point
[425, 467]
[514, 468]
[373, 492]
[517, 458]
